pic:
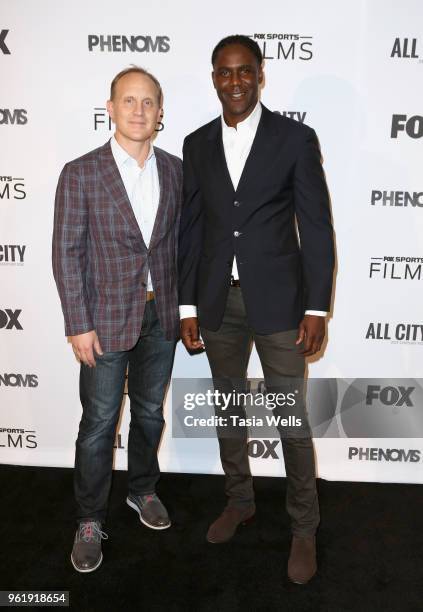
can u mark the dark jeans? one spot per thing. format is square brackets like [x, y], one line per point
[149, 365]
[228, 351]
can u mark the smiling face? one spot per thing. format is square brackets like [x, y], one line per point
[237, 78]
[135, 108]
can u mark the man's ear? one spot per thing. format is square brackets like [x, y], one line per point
[110, 108]
[260, 74]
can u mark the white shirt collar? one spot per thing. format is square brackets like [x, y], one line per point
[121, 156]
[249, 124]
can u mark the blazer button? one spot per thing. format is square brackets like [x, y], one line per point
[237, 234]
[236, 203]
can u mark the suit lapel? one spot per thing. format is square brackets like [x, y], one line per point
[113, 183]
[261, 153]
[165, 201]
[218, 164]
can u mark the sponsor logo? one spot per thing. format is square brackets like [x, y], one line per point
[384, 454]
[9, 319]
[405, 48]
[11, 437]
[115, 43]
[396, 268]
[400, 333]
[10, 117]
[297, 115]
[102, 120]
[12, 254]
[412, 126]
[411, 199]
[389, 396]
[18, 380]
[263, 449]
[3, 47]
[12, 188]
[285, 46]
[382, 408]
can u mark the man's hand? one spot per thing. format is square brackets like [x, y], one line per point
[83, 345]
[190, 334]
[311, 331]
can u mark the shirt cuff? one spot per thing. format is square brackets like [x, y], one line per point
[187, 310]
[318, 313]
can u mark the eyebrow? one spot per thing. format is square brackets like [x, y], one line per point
[239, 66]
[134, 96]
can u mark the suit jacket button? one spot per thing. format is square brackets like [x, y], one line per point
[236, 203]
[237, 234]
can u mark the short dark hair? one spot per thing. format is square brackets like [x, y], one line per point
[136, 70]
[238, 39]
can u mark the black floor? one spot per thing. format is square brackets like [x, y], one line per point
[370, 548]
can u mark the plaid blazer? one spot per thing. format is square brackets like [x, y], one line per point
[100, 260]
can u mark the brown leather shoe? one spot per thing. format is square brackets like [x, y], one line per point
[302, 559]
[226, 525]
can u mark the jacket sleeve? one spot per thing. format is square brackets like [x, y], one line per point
[69, 251]
[314, 225]
[190, 232]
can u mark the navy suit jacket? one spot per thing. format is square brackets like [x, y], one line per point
[283, 272]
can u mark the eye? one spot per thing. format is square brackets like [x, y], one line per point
[128, 100]
[224, 72]
[148, 102]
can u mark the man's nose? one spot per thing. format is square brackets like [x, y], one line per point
[235, 78]
[138, 109]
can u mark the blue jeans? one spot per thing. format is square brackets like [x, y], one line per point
[101, 388]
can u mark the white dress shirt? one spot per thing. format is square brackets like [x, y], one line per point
[237, 143]
[142, 187]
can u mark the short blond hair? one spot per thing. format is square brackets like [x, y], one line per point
[136, 70]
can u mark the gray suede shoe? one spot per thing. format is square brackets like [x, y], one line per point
[150, 509]
[86, 553]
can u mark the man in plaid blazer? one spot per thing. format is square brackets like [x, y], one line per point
[114, 261]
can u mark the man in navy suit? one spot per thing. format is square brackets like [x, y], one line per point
[251, 178]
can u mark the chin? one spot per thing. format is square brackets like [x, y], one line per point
[241, 111]
[139, 136]
[237, 110]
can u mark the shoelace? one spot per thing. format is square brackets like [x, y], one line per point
[149, 498]
[91, 531]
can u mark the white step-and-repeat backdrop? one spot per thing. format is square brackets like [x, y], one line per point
[353, 70]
